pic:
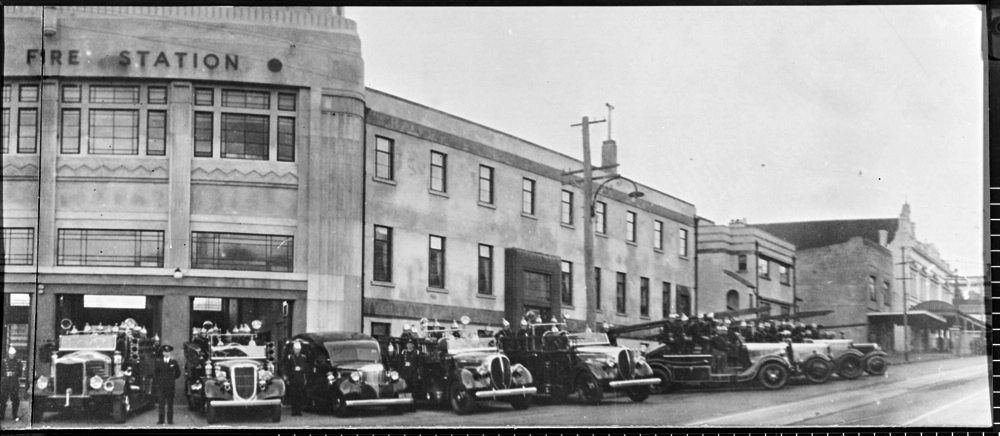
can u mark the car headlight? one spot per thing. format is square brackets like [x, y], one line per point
[42, 383]
[516, 374]
[221, 375]
[483, 371]
[227, 386]
[265, 375]
[109, 385]
[330, 377]
[394, 376]
[96, 382]
[355, 377]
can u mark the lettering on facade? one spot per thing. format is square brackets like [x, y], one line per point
[179, 59]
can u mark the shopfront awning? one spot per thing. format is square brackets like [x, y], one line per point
[915, 318]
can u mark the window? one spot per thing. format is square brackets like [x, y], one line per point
[242, 252]
[380, 329]
[567, 283]
[203, 128]
[785, 310]
[28, 94]
[658, 235]
[666, 300]
[528, 196]
[766, 307]
[683, 303]
[620, 293]
[384, 157]
[245, 136]
[732, 300]
[246, 99]
[783, 276]
[156, 133]
[286, 139]
[69, 131]
[382, 263]
[599, 210]
[439, 172]
[871, 288]
[643, 296]
[201, 304]
[886, 294]
[567, 207]
[156, 95]
[485, 269]
[763, 268]
[485, 184]
[682, 248]
[435, 264]
[71, 93]
[286, 102]
[114, 94]
[6, 93]
[204, 97]
[630, 226]
[18, 246]
[6, 128]
[597, 287]
[27, 130]
[122, 248]
[114, 131]
[741, 263]
[537, 285]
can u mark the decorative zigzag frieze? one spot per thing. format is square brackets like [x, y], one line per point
[147, 171]
[20, 171]
[238, 177]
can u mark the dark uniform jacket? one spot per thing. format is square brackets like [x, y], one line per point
[12, 370]
[164, 374]
[409, 364]
[297, 366]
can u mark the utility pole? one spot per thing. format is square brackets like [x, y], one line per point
[588, 224]
[906, 326]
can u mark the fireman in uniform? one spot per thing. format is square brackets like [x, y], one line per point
[12, 370]
[409, 367]
[165, 372]
[296, 368]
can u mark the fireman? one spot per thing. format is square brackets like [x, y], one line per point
[165, 371]
[296, 369]
[409, 367]
[12, 370]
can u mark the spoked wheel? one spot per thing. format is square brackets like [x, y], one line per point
[638, 394]
[773, 375]
[340, 409]
[590, 389]
[818, 370]
[664, 386]
[461, 399]
[850, 367]
[876, 365]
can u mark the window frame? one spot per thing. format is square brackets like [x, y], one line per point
[667, 296]
[742, 263]
[657, 235]
[83, 237]
[440, 255]
[621, 293]
[566, 283]
[485, 267]
[597, 287]
[236, 118]
[488, 181]
[630, 222]
[682, 246]
[566, 211]
[282, 148]
[389, 155]
[784, 274]
[644, 296]
[34, 130]
[872, 280]
[15, 257]
[600, 217]
[149, 132]
[65, 130]
[527, 196]
[386, 274]
[439, 172]
[216, 242]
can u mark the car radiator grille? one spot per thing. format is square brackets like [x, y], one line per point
[500, 372]
[69, 377]
[244, 382]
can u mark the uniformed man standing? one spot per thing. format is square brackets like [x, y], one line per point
[409, 367]
[296, 367]
[165, 371]
[12, 370]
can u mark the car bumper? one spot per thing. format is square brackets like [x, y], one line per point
[630, 383]
[255, 403]
[379, 402]
[506, 392]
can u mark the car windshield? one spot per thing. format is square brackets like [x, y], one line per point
[592, 338]
[456, 345]
[350, 351]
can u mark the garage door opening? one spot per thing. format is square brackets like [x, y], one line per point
[228, 314]
[110, 310]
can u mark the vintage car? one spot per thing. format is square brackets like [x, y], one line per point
[564, 363]
[103, 369]
[231, 369]
[458, 368]
[767, 363]
[348, 373]
[850, 359]
[811, 360]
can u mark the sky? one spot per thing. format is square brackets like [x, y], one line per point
[771, 114]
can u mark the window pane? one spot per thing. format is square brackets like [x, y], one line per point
[243, 252]
[28, 93]
[644, 296]
[6, 130]
[438, 172]
[114, 94]
[682, 247]
[286, 139]
[435, 276]
[286, 102]
[630, 226]
[71, 93]
[124, 248]
[245, 136]
[485, 269]
[528, 196]
[6, 93]
[485, 184]
[70, 131]
[599, 214]
[207, 304]
[18, 246]
[567, 283]
[114, 131]
[383, 254]
[157, 95]
[246, 99]
[567, 207]
[658, 235]
[204, 97]
[384, 157]
[27, 130]
[620, 293]
[203, 127]
[156, 133]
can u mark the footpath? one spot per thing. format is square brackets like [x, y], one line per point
[898, 358]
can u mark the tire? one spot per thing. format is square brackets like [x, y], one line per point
[665, 384]
[38, 409]
[590, 388]
[638, 394]
[876, 365]
[460, 397]
[340, 409]
[118, 410]
[521, 403]
[849, 367]
[772, 375]
[817, 370]
[210, 413]
[276, 413]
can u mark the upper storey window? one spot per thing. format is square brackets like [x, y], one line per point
[20, 118]
[100, 119]
[244, 124]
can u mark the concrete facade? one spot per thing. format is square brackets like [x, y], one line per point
[738, 250]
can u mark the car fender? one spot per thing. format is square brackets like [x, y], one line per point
[526, 378]
[875, 353]
[214, 391]
[818, 356]
[850, 352]
[120, 386]
[347, 387]
[768, 359]
[643, 370]
[274, 389]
